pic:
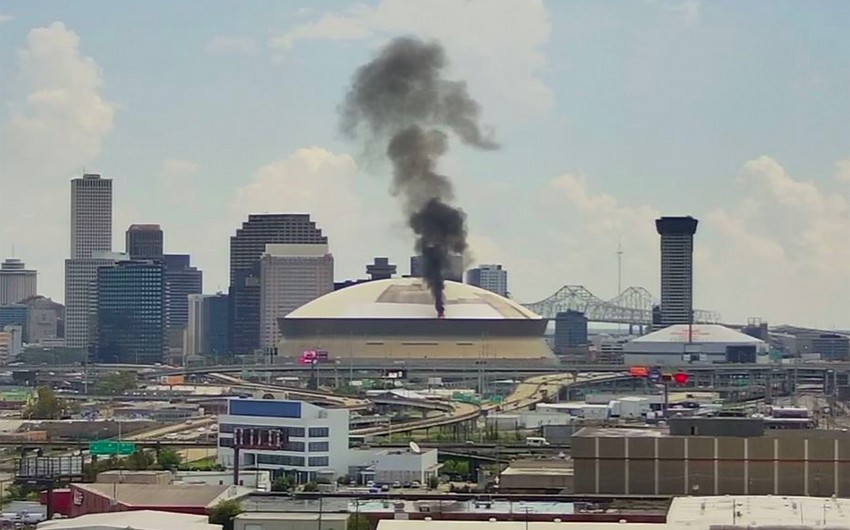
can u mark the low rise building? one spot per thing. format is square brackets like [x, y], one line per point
[290, 521]
[693, 344]
[134, 520]
[174, 498]
[650, 461]
[406, 466]
[312, 441]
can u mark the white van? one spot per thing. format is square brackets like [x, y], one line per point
[534, 441]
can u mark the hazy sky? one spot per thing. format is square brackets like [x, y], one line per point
[610, 114]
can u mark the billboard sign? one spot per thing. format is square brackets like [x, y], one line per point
[49, 467]
[258, 438]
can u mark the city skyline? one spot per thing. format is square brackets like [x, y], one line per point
[754, 143]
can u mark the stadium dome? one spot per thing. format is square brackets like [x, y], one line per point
[396, 319]
[410, 298]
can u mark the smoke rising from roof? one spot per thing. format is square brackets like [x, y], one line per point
[401, 99]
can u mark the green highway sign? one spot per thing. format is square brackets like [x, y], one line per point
[111, 448]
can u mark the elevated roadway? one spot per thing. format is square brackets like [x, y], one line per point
[442, 367]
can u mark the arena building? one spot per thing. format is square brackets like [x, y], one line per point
[693, 344]
[395, 319]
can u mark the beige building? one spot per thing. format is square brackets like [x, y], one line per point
[16, 281]
[290, 521]
[651, 462]
[10, 344]
[290, 276]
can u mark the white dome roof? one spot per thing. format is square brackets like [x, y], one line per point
[699, 334]
[410, 298]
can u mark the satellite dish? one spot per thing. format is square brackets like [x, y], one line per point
[415, 447]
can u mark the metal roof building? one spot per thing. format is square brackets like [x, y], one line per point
[683, 344]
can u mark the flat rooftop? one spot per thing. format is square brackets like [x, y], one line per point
[756, 511]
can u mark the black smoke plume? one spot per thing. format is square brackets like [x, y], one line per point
[400, 98]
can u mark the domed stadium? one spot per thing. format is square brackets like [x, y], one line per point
[395, 319]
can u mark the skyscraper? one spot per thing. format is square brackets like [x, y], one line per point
[491, 277]
[130, 313]
[91, 245]
[181, 280]
[453, 270]
[91, 216]
[570, 330]
[16, 281]
[291, 276]
[144, 241]
[677, 269]
[207, 331]
[80, 281]
[246, 249]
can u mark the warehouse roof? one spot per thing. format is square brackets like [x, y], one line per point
[157, 495]
[753, 511]
[134, 520]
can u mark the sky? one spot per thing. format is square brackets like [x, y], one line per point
[609, 114]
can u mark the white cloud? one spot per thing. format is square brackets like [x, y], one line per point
[58, 120]
[688, 11]
[178, 180]
[322, 183]
[585, 230]
[780, 251]
[6, 18]
[495, 43]
[232, 45]
[842, 170]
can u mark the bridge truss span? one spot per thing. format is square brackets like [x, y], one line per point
[632, 306]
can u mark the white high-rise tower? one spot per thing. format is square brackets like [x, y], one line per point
[91, 246]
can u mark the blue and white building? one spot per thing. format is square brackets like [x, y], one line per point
[317, 438]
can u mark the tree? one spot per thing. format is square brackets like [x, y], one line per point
[358, 522]
[141, 460]
[115, 384]
[168, 459]
[282, 483]
[46, 406]
[433, 482]
[224, 512]
[311, 487]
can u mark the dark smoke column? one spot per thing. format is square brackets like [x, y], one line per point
[401, 100]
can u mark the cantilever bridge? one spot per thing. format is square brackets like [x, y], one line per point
[633, 306]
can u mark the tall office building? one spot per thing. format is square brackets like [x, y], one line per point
[491, 277]
[80, 278]
[181, 280]
[143, 241]
[453, 270]
[677, 269]
[16, 281]
[130, 306]
[207, 330]
[570, 330]
[91, 216]
[91, 245]
[291, 276]
[246, 249]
